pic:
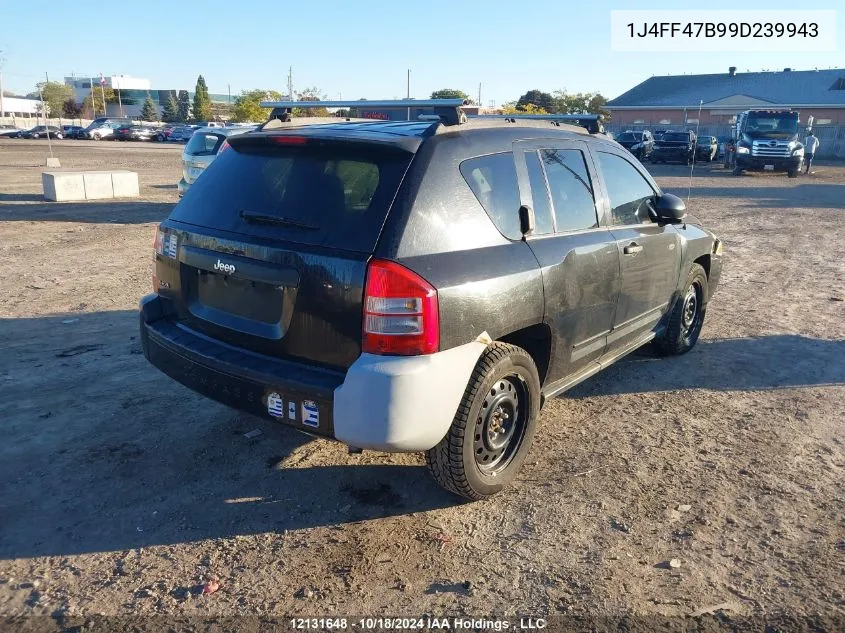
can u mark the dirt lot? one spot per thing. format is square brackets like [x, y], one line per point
[122, 492]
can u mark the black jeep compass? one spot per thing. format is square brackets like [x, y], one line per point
[415, 286]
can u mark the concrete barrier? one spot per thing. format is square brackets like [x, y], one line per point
[67, 186]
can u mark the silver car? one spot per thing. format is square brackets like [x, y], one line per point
[201, 151]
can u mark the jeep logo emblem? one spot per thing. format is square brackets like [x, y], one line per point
[226, 268]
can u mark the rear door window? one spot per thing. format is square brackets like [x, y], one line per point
[492, 179]
[332, 196]
[571, 189]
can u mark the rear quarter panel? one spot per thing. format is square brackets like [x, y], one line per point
[437, 228]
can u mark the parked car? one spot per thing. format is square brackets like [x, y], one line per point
[182, 134]
[201, 151]
[674, 147]
[103, 128]
[640, 144]
[723, 144]
[10, 131]
[134, 133]
[43, 131]
[706, 148]
[163, 133]
[72, 131]
[386, 285]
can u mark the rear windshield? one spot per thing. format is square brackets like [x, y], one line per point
[324, 197]
[629, 136]
[204, 144]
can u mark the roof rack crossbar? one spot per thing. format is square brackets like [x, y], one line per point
[591, 122]
[385, 103]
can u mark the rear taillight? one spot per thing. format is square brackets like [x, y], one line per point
[224, 147]
[400, 311]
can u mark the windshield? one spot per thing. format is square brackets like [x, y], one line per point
[705, 140]
[629, 136]
[772, 125]
[676, 137]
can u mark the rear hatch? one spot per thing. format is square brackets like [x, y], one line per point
[268, 250]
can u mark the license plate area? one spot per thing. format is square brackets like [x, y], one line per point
[254, 300]
[768, 167]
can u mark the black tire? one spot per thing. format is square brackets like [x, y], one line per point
[96, 136]
[792, 173]
[687, 316]
[506, 385]
[737, 171]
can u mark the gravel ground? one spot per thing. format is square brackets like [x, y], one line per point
[123, 493]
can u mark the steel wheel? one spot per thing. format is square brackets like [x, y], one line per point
[501, 424]
[691, 313]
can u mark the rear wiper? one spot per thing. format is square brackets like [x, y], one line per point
[261, 218]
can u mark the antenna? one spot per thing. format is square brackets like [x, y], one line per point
[694, 149]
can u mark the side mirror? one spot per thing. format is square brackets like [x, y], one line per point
[669, 209]
[526, 219]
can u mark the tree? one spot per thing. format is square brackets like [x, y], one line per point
[201, 109]
[540, 99]
[111, 97]
[149, 111]
[170, 112]
[513, 108]
[311, 94]
[54, 94]
[71, 109]
[246, 105]
[450, 93]
[183, 112]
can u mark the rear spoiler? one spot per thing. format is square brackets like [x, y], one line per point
[593, 123]
[447, 111]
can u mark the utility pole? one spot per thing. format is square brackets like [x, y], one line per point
[479, 95]
[229, 89]
[290, 83]
[408, 95]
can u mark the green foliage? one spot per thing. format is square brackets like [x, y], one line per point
[450, 93]
[71, 109]
[149, 111]
[246, 105]
[183, 112]
[311, 94]
[97, 107]
[201, 109]
[54, 93]
[540, 99]
[170, 112]
[529, 108]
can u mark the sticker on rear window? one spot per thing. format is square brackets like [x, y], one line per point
[276, 405]
[310, 414]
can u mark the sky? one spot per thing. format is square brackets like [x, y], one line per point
[362, 49]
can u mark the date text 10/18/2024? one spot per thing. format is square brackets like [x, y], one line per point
[420, 624]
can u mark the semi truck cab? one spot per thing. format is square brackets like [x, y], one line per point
[767, 140]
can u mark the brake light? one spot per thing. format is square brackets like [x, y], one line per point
[401, 315]
[223, 147]
[288, 140]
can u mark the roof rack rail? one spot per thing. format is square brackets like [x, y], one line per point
[591, 122]
[448, 111]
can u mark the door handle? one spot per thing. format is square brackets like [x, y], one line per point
[632, 249]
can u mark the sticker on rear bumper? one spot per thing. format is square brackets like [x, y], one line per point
[310, 414]
[276, 405]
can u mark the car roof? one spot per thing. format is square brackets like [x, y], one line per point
[410, 134]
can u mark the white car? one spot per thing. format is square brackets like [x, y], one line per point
[202, 149]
